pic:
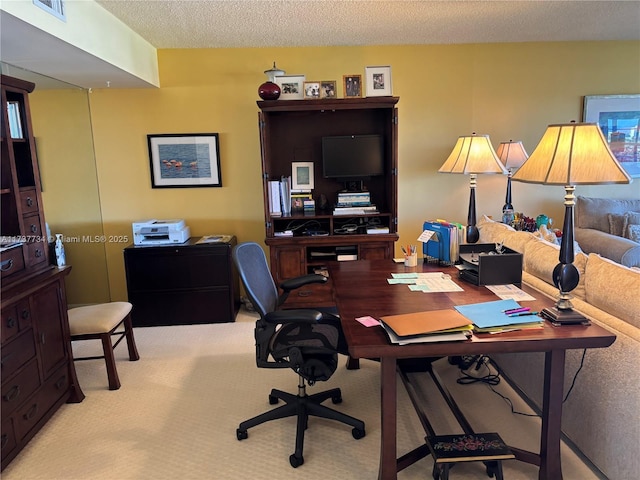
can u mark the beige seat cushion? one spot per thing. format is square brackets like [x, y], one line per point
[99, 318]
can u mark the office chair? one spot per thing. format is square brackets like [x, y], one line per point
[305, 340]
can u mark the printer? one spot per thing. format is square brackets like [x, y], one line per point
[160, 232]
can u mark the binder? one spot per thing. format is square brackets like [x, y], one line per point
[275, 209]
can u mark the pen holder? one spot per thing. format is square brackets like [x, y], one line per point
[411, 260]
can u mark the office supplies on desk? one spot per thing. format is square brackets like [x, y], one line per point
[427, 322]
[490, 314]
[484, 266]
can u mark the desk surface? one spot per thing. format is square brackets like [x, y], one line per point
[362, 289]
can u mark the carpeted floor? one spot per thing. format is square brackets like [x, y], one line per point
[176, 414]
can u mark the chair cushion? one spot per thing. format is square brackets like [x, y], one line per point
[100, 318]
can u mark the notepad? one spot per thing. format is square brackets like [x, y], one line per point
[421, 323]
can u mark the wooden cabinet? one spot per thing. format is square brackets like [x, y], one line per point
[38, 374]
[182, 284]
[292, 131]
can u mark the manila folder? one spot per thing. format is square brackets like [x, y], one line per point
[426, 322]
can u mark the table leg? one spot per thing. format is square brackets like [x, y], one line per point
[388, 412]
[550, 464]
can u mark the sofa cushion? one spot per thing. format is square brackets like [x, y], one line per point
[613, 288]
[592, 212]
[617, 223]
[633, 233]
[540, 258]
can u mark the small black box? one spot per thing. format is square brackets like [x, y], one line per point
[484, 266]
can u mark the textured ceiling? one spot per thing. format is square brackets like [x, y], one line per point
[273, 23]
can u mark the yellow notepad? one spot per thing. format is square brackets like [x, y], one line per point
[434, 321]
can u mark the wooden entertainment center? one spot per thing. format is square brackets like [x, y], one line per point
[292, 131]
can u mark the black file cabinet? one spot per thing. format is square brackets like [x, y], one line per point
[182, 284]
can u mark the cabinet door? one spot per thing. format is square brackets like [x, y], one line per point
[375, 251]
[47, 316]
[289, 262]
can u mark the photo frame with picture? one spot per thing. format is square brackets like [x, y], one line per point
[291, 86]
[352, 85]
[302, 175]
[378, 81]
[328, 89]
[311, 90]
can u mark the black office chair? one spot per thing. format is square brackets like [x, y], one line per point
[305, 340]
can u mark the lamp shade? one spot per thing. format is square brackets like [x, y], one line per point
[572, 154]
[473, 154]
[512, 154]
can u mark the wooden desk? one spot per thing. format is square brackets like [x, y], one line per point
[361, 288]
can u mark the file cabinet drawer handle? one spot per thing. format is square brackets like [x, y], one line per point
[5, 440]
[6, 265]
[12, 394]
[31, 412]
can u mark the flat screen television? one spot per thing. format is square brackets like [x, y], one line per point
[352, 156]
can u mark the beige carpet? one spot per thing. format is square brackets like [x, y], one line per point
[176, 415]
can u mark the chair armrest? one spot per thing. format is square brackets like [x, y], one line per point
[293, 316]
[297, 282]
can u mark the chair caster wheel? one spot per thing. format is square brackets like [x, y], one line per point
[273, 400]
[357, 433]
[241, 434]
[337, 399]
[296, 461]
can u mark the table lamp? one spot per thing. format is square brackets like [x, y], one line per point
[570, 154]
[472, 155]
[512, 155]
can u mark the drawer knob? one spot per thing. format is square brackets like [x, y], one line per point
[29, 202]
[11, 322]
[62, 381]
[31, 412]
[25, 314]
[5, 440]
[34, 228]
[38, 253]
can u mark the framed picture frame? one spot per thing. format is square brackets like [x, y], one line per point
[184, 160]
[311, 90]
[291, 86]
[619, 119]
[302, 176]
[328, 89]
[378, 81]
[352, 85]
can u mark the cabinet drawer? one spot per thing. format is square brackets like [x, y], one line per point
[8, 439]
[32, 226]
[29, 201]
[15, 318]
[36, 253]
[20, 387]
[180, 268]
[36, 407]
[17, 352]
[11, 261]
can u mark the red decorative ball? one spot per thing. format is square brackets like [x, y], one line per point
[269, 91]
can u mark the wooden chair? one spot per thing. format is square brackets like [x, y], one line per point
[101, 322]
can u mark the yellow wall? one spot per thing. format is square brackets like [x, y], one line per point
[509, 91]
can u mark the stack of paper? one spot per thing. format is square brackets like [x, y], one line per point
[493, 317]
[432, 326]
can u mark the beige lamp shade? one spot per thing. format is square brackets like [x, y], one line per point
[473, 154]
[512, 154]
[572, 154]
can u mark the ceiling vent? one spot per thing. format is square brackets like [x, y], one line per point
[54, 7]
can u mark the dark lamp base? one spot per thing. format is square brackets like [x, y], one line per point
[564, 317]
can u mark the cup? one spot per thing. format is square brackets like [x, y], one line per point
[411, 260]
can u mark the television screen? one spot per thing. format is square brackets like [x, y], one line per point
[352, 156]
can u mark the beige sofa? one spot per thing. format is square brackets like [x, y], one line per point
[602, 414]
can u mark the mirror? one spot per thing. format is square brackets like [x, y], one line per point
[61, 120]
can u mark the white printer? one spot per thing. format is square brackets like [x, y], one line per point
[160, 232]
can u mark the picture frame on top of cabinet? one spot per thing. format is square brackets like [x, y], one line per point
[311, 90]
[184, 160]
[291, 86]
[352, 85]
[378, 81]
[328, 89]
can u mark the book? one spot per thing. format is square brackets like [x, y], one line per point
[275, 209]
[468, 448]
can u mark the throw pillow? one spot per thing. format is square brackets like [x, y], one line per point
[617, 223]
[633, 232]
